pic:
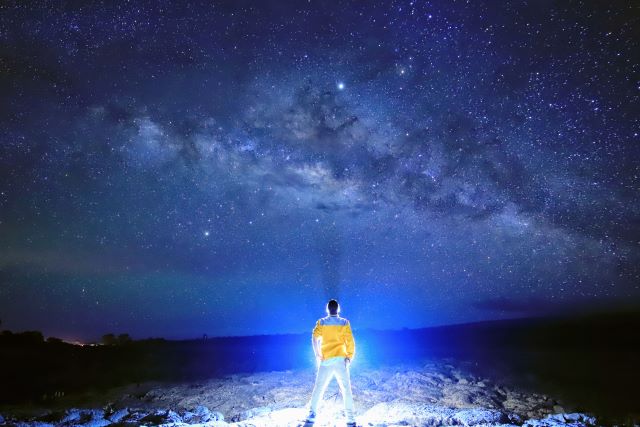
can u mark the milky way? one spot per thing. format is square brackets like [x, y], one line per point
[179, 168]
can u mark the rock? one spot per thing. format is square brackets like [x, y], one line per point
[471, 417]
[580, 418]
[190, 418]
[251, 413]
[288, 417]
[574, 419]
[406, 413]
[201, 414]
[161, 417]
[54, 417]
[1, 419]
[558, 409]
[173, 417]
[73, 416]
[133, 416]
[33, 424]
[118, 415]
[515, 419]
[562, 420]
[85, 418]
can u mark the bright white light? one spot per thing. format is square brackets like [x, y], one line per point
[340, 86]
[206, 233]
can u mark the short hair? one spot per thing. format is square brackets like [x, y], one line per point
[333, 307]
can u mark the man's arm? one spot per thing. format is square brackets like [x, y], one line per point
[349, 342]
[316, 340]
[317, 349]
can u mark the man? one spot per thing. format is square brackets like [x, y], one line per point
[334, 348]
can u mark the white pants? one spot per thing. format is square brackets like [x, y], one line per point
[323, 377]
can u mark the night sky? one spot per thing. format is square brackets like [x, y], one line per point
[179, 168]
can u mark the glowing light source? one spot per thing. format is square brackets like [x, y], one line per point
[340, 86]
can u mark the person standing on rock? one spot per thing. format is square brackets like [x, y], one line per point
[334, 348]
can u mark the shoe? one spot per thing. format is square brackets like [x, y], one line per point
[351, 424]
[311, 418]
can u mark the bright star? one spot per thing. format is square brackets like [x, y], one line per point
[206, 233]
[340, 86]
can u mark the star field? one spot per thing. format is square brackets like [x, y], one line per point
[179, 168]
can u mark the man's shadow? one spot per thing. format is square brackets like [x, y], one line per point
[306, 424]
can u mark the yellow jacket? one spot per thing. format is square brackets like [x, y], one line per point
[337, 339]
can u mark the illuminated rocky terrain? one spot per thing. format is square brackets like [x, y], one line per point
[434, 394]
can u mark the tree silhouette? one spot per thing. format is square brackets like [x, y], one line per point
[109, 339]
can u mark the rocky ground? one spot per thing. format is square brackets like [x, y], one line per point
[432, 394]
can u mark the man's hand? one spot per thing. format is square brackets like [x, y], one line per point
[347, 361]
[318, 359]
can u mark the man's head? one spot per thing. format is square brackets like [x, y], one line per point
[333, 307]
